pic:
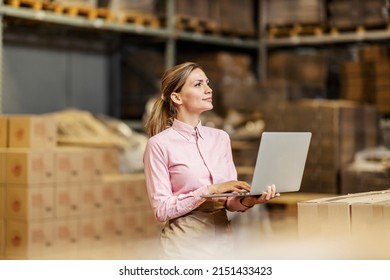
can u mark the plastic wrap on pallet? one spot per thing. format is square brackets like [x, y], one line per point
[78, 3]
[141, 7]
[286, 12]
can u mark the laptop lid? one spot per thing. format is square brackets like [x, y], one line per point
[281, 160]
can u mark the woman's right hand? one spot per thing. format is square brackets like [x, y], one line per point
[230, 186]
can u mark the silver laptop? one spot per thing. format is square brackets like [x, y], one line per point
[280, 160]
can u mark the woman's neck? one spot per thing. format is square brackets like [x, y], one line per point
[191, 120]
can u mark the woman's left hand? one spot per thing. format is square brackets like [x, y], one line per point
[250, 201]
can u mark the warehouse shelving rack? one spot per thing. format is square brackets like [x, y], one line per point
[167, 33]
[170, 35]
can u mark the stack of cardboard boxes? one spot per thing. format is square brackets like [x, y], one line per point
[339, 128]
[59, 199]
[362, 216]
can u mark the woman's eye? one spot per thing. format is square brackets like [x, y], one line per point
[197, 84]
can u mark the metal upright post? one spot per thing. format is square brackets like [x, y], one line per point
[170, 48]
[262, 64]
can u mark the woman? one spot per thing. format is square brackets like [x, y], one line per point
[184, 160]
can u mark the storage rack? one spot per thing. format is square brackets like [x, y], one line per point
[167, 33]
[171, 35]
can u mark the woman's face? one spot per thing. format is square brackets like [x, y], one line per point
[196, 94]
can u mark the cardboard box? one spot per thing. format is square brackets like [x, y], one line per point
[2, 237]
[66, 199]
[133, 225]
[91, 165]
[66, 235]
[332, 217]
[3, 131]
[3, 157]
[2, 200]
[68, 165]
[113, 186]
[29, 166]
[30, 203]
[110, 159]
[135, 193]
[111, 226]
[32, 131]
[89, 231]
[90, 200]
[28, 239]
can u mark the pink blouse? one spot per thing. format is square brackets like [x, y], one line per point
[181, 162]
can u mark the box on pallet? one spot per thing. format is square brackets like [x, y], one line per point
[370, 219]
[110, 158]
[65, 235]
[29, 166]
[336, 216]
[28, 239]
[133, 7]
[28, 202]
[112, 226]
[2, 237]
[32, 131]
[2, 165]
[3, 131]
[75, 164]
[89, 231]
[78, 3]
[2, 200]
[66, 199]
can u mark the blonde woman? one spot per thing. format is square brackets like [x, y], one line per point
[184, 160]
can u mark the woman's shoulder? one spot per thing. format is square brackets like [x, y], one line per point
[160, 137]
[215, 131]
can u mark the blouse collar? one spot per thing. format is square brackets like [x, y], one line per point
[186, 130]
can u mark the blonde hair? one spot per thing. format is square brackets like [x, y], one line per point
[164, 110]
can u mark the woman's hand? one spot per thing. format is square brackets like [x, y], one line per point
[230, 186]
[249, 201]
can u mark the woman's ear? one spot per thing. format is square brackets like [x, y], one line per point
[175, 97]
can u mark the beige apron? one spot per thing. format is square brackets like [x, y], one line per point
[203, 233]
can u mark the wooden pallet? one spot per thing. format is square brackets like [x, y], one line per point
[295, 30]
[59, 8]
[358, 29]
[33, 4]
[137, 19]
[195, 24]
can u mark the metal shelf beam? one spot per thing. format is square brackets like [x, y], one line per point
[344, 37]
[82, 22]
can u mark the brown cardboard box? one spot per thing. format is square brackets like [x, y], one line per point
[66, 235]
[2, 237]
[90, 200]
[32, 131]
[135, 193]
[30, 203]
[71, 166]
[331, 217]
[133, 225]
[2, 200]
[353, 181]
[132, 188]
[29, 166]
[89, 231]
[370, 220]
[113, 195]
[3, 131]
[66, 199]
[111, 226]
[3, 156]
[110, 160]
[29, 239]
